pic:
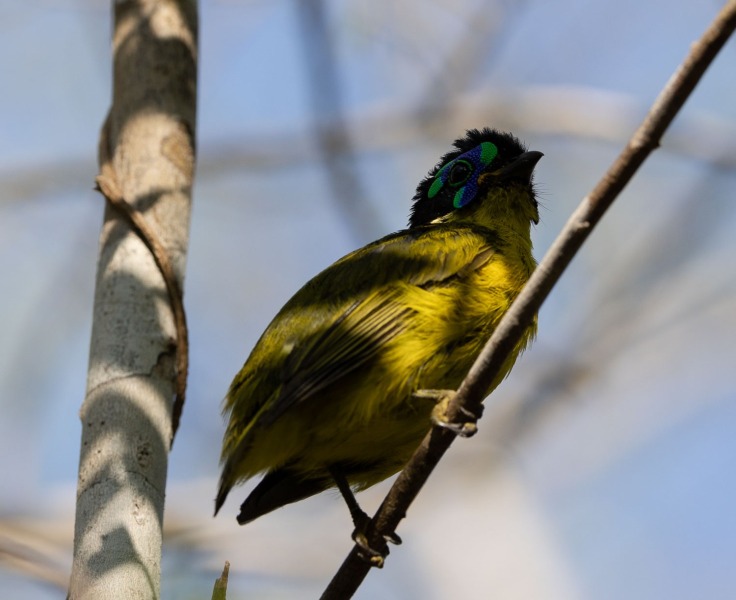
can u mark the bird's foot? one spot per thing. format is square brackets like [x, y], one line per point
[374, 557]
[362, 522]
[466, 426]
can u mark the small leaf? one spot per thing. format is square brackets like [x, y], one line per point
[219, 592]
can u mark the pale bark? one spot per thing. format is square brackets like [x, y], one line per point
[147, 147]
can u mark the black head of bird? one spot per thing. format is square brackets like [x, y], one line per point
[485, 162]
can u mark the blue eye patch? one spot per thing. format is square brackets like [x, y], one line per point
[463, 173]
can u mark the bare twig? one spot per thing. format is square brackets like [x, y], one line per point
[578, 228]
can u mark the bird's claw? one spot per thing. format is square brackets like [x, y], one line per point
[465, 427]
[393, 538]
[375, 558]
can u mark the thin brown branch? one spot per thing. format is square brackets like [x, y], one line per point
[578, 228]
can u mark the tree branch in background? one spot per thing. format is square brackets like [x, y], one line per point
[135, 379]
[330, 130]
[569, 111]
[487, 29]
[470, 394]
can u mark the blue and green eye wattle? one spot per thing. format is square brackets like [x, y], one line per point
[462, 174]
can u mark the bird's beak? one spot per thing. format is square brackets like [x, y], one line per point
[520, 169]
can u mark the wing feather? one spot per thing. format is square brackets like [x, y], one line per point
[343, 318]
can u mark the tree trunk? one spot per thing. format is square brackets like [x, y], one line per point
[147, 146]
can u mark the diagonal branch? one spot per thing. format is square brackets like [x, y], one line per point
[470, 394]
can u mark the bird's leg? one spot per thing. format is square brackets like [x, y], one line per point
[359, 516]
[464, 427]
[361, 521]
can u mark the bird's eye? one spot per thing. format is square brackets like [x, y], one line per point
[459, 173]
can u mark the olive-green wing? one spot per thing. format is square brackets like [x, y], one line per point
[377, 312]
[353, 339]
[344, 316]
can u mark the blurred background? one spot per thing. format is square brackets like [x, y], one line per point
[605, 466]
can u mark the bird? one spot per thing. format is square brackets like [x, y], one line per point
[342, 385]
